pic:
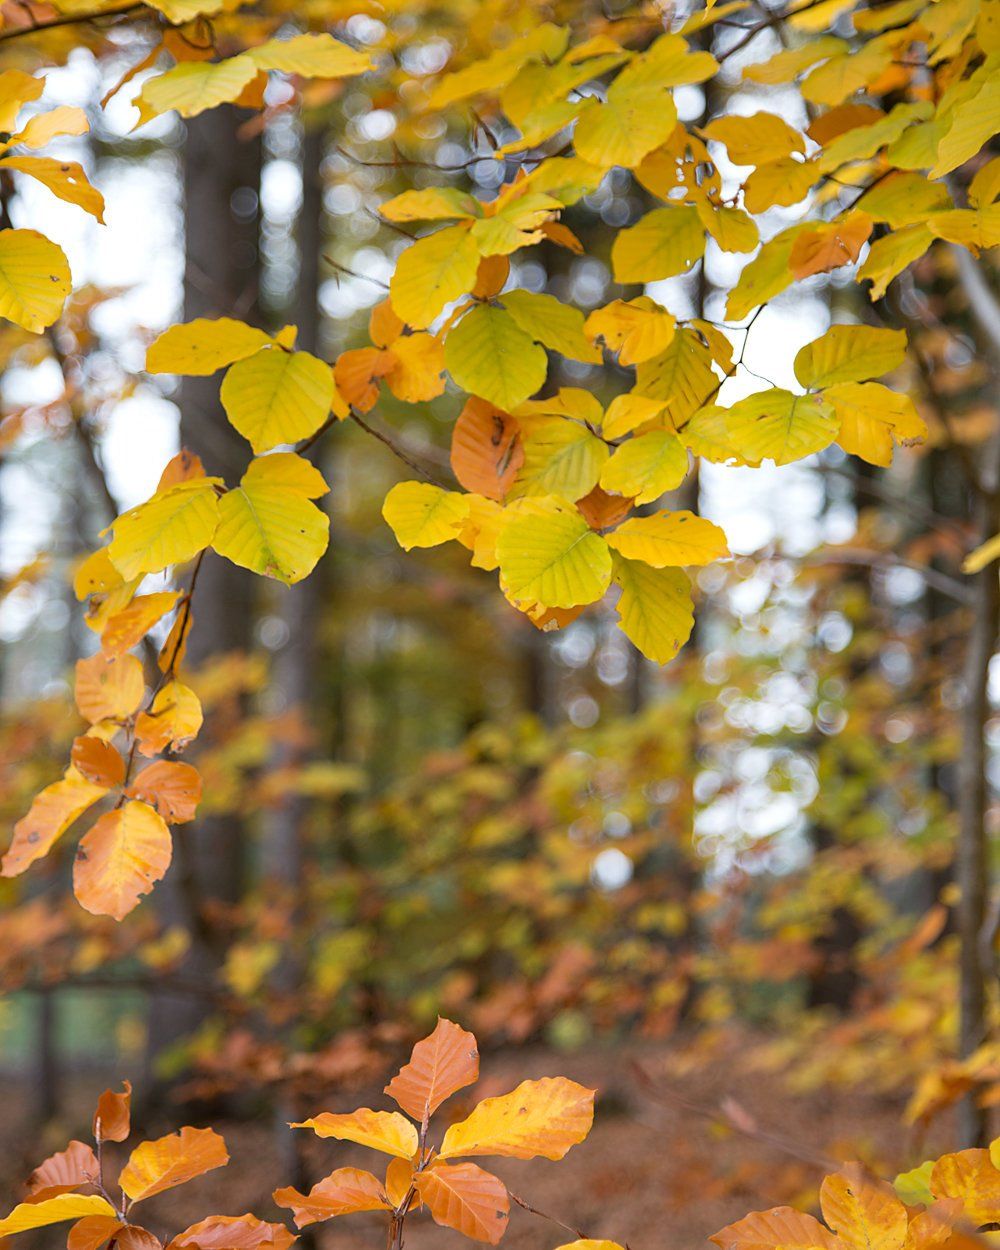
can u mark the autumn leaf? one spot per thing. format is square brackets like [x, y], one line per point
[112, 1117]
[97, 761]
[669, 538]
[108, 689]
[862, 1210]
[486, 451]
[172, 721]
[276, 396]
[343, 1192]
[465, 1197]
[549, 555]
[423, 515]
[233, 1232]
[171, 788]
[63, 1172]
[440, 1064]
[54, 1210]
[386, 1131]
[156, 1166]
[34, 279]
[543, 1117]
[120, 859]
[52, 812]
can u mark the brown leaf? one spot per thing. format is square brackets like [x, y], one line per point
[92, 1232]
[233, 1232]
[63, 1172]
[112, 1116]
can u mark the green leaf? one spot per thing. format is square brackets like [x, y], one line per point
[488, 354]
[777, 425]
[549, 555]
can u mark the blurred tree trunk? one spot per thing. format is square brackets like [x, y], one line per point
[221, 278]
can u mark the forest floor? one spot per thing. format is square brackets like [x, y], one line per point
[660, 1170]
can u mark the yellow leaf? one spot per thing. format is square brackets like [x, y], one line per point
[430, 204]
[977, 560]
[547, 320]
[731, 228]
[173, 719]
[310, 56]
[850, 354]
[706, 435]
[871, 416]
[514, 224]
[423, 515]
[489, 355]
[890, 255]
[549, 555]
[94, 574]
[544, 42]
[971, 227]
[180, 11]
[34, 279]
[285, 468]
[44, 127]
[543, 1117]
[863, 1211]
[127, 628]
[120, 859]
[786, 65]
[636, 329]
[277, 397]
[588, 1243]
[646, 466]
[200, 347]
[50, 815]
[655, 611]
[108, 689]
[972, 124]
[156, 1166]
[561, 457]
[387, 1131]
[65, 179]
[170, 528]
[417, 368]
[681, 377]
[269, 526]
[779, 184]
[664, 243]
[970, 1176]
[861, 142]
[669, 538]
[16, 89]
[777, 425]
[903, 199]
[629, 412]
[755, 140]
[431, 273]
[194, 86]
[638, 115]
[985, 186]
[765, 276]
[29, 1215]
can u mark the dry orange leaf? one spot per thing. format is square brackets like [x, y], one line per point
[781, 1226]
[172, 788]
[63, 1172]
[180, 468]
[132, 1237]
[442, 1063]
[601, 510]
[120, 859]
[830, 245]
[464, 1197]
[108, 689]
[341, 1193]
[357, 375]
[92, 1232]
[233, 1232]
[98, 761]
[543, 1117]
[173, 1160]
[486, 450]
[112, 1118]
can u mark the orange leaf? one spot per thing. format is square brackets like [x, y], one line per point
[543, 1117]
[50, 815]
[120, 859]
[98, 761]
[387, 1131]
[356, 374]
[175, 644]
[233, 1232]
[126, 629]
[173, 720]
[108, 689]
[491, 275]
[830, 246]
[112, 1119]
[398, 1180]
[156, 1166]
[446, 1061]
[864, 1211]
[970, 1176]
[341, 1193]
[132, 1237]
[173, 789]
[92, 1232]
[181, 468]
[781, 1226]
[464, 1197]
[601, 510]
[60, 1173]
[486, 450]
[384, 326]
